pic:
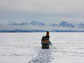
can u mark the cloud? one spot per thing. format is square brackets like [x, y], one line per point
[49, 6]
[52, 10]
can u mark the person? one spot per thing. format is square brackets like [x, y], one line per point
[45, 41]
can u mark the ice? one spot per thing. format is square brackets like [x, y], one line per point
[26, 48]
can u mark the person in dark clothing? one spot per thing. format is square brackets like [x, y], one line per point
[45, 41]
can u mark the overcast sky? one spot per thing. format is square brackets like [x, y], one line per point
[68, 10]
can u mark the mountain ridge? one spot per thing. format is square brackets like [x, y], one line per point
[36, 26]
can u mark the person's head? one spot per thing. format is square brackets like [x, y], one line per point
[47, 34]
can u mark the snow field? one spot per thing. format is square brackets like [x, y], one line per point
[26, 48]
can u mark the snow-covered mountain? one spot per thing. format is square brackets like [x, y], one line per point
[81, 25]
[20, 24]
[37, 23]
[34, 23]
[66, 24]
[54, 25]
[40, 26]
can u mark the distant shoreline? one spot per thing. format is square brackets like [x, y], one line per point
[39, 31]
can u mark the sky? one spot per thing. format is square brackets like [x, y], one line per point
[47, 11]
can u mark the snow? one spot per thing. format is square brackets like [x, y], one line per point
[26, 48]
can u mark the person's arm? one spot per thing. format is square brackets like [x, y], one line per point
[50, 43]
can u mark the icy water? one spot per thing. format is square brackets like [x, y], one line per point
[26, 48]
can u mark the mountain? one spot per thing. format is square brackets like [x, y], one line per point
[37, 23]
[81, 25]
[36, 26]
[20, 24]
[66, 24]
[34, 23]
[54, 25]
